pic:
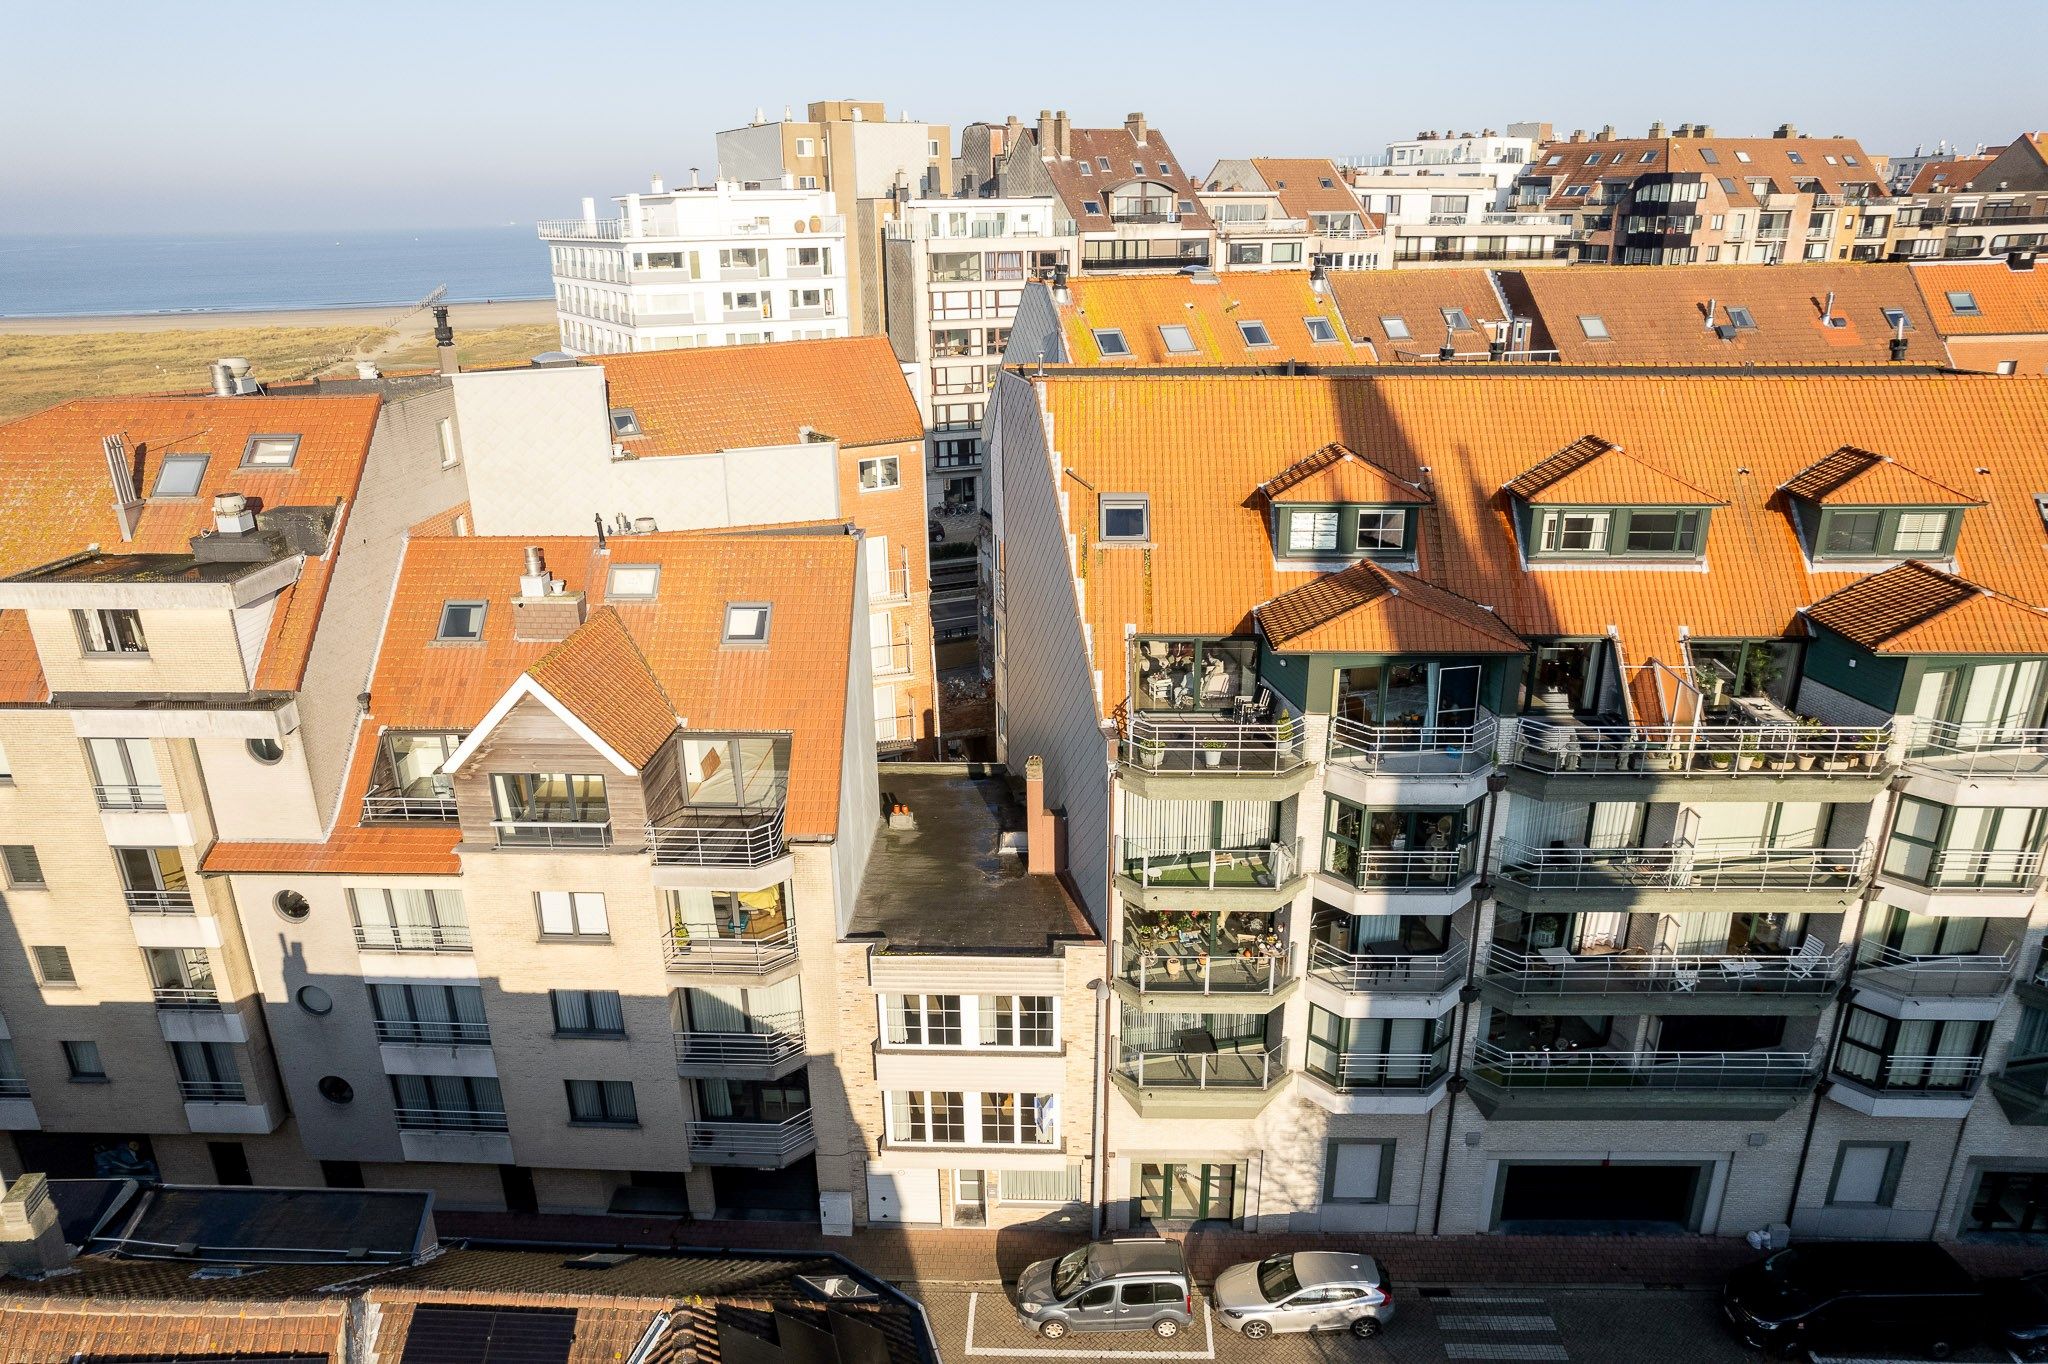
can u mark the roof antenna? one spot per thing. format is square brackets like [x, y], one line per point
[599, 518]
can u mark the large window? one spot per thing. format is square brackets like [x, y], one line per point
[1346, 532]
[1377, 1053]
[1623, 532]
[587, 1013]
[572, 914]
[932, 1117]
[1568, 673]
[1972, 703]
[430, 1014]
[1886, 533]
[1397, 848]
[110, 632]
[1912, 1054]
[413, 763]
[748, 772]
[548, 808]
[124, 774]
[408, 920]
[1971, 847]
[1007, 1022]
[1728, 669]
[1193, 674]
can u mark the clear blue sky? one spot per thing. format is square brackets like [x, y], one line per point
[183, 116]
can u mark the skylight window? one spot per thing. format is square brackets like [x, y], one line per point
[1164, 169]
[1741, 319]
[1829, 159]
[1963, 303]
[1795, 158]
[180, 476]
[1127, 518]
[1849, 159]
[1177, 339]
[1254, 333]
[1455, 319]
[1084, 168]
[746, 622]
[1577, 191]
[270, 452]
[1593, 326]
[1895, 320]
[1326, 182]
[1110, 341]
[1710, 156]
[632, 582]
[1091, 206]
[461, 621]
[1646, 158]
[1137, 167]
[1319, 330]
[1396, 328]
[625, 422]
[1103, 162]
[1594, 159]
[1554, 159]
[1742, 156]
[1727, 184]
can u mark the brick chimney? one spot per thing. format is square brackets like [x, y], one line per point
[1134, 124]
[31, 1242]
[1606, 133]
[1045, 833]
[1657, 129]
[1047, 146]
[543, 613]
[1063, 134]
[1012, 131]
[1786, 130]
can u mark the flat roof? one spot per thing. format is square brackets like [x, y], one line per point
[946, 886]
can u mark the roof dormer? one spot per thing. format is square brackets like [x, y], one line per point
[1855, 506]
[1593, 501]
[1338, 505]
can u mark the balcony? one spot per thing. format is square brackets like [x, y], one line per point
[1643, 878]
[385, 806]
[1259, 970]
[774, 1050]
[1166, 873]
[1392, 972]
[750, 838]
[553, 833]
[1254, 227]
[451, 1120]
[2000, 871]
[892, 660]
[1554, 981]
[158, 901]
[412, 937]
[582, 229]
[1204, 1078]
[118, 797]
[1889, 1085]
[1950, 976]
[1565, 759]
[212, 1091]
[1941, 758]
[426, 1033]
[1122, 264]
[13, 1087]
[1385, 1083]
[186, 997]
[761, 1145]
[740, 953]
[1415, 751]
[1644, 1085]
[1176, 759]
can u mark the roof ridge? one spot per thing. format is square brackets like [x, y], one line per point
[583, 637]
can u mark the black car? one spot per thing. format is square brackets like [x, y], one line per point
[2017, 1314]
[1837, 1296]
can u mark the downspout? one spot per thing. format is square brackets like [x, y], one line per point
[1103, 1056]
[1468, 994]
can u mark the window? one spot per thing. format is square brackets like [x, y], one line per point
[1795, 158]
[1741, 319]
[1084, 168]
[24, 868]
[572, 914]
[1382, 531]
[1742, 156]
[1111, 343]
[1554, 159]
[265, 751]
[445, 431]
[1662, 532]
[1911, 1055]
[1015, 1021]
[602, 1103]
[2008, 367]
[1593, 326]
[625, 422]
[1395, 327]
[1254, 334]
[1962, 303]
[1896, 321]
[1594, 159]
[1091, 206]
[430, 1015]
[1885, 532]
[803, 146]
[1285, 253]
[879, 474]
[1851, 532]
[1009, 1119]
[83, 1058]
[110, 632]
[1357, 1171]
[1246, 253]
[746, 623]
[1319, 330]
[924, 1020]
[927, 1116]
[1455, 319]
[408, 920]
[461, 621]
[1728, 187]
[1577, 191]
[53, 965]
[588, 1013]
[180, 476]
[1103, 162]
[270, 452]
[1921, 533]
[1574, 532]
[632, 582]
[931, 147]
[1710, 156]
[1310, 531]
[1177, 339]
[1126, 519]
[1040, 1186]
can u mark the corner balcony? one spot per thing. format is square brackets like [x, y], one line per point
[386, 805]
[1776, 759]
[758, 947]
[713, 838]
[1554, 981]
[1641, 1086]
[1385, 1083]
[1887, 1085]
[1203, 1078]
[1164, 873]
[1161, 975]
[1678, 876]
[1992, 883]
[1423, 978]
[771, 1052]
[1215, 759]
[1423, 881]
[758, 1145]
[1401, 764]
[1949, 985]
[1999, 764]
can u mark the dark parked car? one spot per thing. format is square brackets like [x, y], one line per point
[1133, 1283]
[2017, 1315]
[1849, 1296]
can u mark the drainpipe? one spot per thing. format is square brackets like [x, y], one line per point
[1104, 1057]
[1468, 994]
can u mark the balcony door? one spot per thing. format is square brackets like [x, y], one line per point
[1980, 699]
[1190, 1192]
[1457, 696]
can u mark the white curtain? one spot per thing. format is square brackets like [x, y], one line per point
[1368, 928]
[776, 1004]
[694, 910]
[1616, 824]
[718, 1008]
[1249, 823]
[1696, 935]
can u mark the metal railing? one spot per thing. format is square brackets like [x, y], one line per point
[1942, 976]
[13, 1087]
[1680, 866]
[589, 229]
[186, 997]
[1663, 972]
[553, 833]
[1554, 746]
[1253, 971]
[1403, 868]
[748, 1142]
[158, 901]
[1184, 863]
[1361, 1072]
[1245, 227]
[1911, 1074]
[736, 840]
[1705, 1071]
[452, 1120]
[385, 807]
[113, 796]
[1259, 1067]
[896, 582]
[1971, 750]
[782, 1038]
[891, 660]
[2003, 869]
[413, 937]
[447, 1033]
[1201, 746]
[691, 952]
[1390, 972]
[212, 1091]
[1418, 750]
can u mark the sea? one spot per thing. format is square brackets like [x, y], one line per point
[195, 272]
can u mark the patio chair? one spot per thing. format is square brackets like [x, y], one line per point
[1807, 960]
[1685, 980]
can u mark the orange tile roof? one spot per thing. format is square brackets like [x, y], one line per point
[1955, 174]
[1857, 478]
[1210, 308]
[1335, 474]
[1769, 159]
[1198, 445]
[1307, 185]
[1916, 609]
[2009, 302]
[601, 676]
[55, 498]
[1660, 316]
[1370, 609]
[1124, 154]
[1591, 472]
[1418, 298]
[698, 402]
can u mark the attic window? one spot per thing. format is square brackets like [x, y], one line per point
[1110, 341]
[1710, 156]
[1084, 168]
[1741, 319]
[1647, 158]
[1126, 518]
[1795, 158]
[180, 476]
[1103, 162]
[632, 582]
[1319, 330]
[1137, 167]
[1594, 326]
[1396, 327]
[1895, 320]
[625, 422]
[461, 621]
[1554, 159]
[746, 622]
[1886, 533]
[1849, 159]
[1326, 182]
[1577, 191]
[1963, 303]
[1594, 159]
[1254, 333]
[270, 452]
[1455, 319]
[1177, 339]
[1829, 159]
[1727, 184]
[1742, 156]
[1091, 206]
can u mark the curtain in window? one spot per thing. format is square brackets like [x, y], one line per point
[1616, 824]
[619, 1104]
[779, 1005]
[718, 1008]
[1699, 935]
[607, 1013]
[715, 1098]
[1371, 928]
[1250, 823]
[695, 911]
[1863, 1042]
[899, 1030]
[1956, 1044]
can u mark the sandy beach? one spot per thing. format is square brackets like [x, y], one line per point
[470, 316]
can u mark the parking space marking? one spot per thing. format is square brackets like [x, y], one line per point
[1496, 1323]
[1462, 1349]
[1208, 1331]
[1495, 1299]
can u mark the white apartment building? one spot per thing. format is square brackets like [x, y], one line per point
[1445, 198]
[716, 265]
[1283, 213]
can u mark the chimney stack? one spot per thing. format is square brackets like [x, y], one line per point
[543, 612]
[1134, 124]
[1046, 144]
[1578, 135]
[1063, 132]
[444, 341]
[1045, 833]
[31, 1240]
[1606, 133]
[127, 506]
[654, 184]
[1657, 129]
[1786, 130]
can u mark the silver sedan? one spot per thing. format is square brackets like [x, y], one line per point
[1315, 1290]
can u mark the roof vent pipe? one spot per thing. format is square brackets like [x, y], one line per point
[127, 506]
[535, 581]
[1898, 348]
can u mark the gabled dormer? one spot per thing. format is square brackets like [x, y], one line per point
[1336, 505]
[1855, 506]
[1595, 502]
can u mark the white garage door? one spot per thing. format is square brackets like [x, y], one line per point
[903, 1196]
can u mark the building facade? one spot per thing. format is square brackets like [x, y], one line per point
[1277, 213]
[1445, 197]
[1132, 205]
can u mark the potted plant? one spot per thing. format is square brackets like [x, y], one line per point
[1212, 752]
[1721, 761]
[1870, 747]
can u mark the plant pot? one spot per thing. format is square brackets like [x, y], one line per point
[1778, 764]
[1722, 764]
[1213, 757]
[1749, 762]
[1805, 761]
[1150, 755]
[1834, 764]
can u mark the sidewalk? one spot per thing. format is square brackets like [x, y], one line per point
[950, 1255]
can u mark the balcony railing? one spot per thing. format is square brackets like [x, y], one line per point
[389, 807]
[685, 951]
[1913, 1074]
[895, 585]
[417, 1032]
[1732, 750]
[1419, 750]
[782, 1038]
[186, 997]
[599, 229]
[1249, 227]
[1680, 866]
[413, 937]
[1703, 1071]
[1944, 976]
[891, 660]
[1256, 1067]
[1676, 973]
[1402, 868]
[1204, 746]
[117, 797]
[1391, 972]
[13, 1087]
[212, 1091]
[747, 1143]
[1977, 750]
[452, 1120]
[1360, 1072]
[1957, 869]
[1253, 970]
[158, 901]
[747, 839]
[553, 833]
[1171, 863]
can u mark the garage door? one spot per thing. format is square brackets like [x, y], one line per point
[903, 1196]
[1592, 1198]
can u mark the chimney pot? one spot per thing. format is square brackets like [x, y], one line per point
[1045, 832]
[1063, 131]
[1134, 123]
[31, 1239]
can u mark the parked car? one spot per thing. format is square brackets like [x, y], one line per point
[1124, 1284]
[1312, 1290]
[1830, 1296]
[2017, 1315]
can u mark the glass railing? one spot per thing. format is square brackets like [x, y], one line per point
[1591, 1068]
[1173, 863]
[1250, 1065]
[1391, 971]
[1215, 746]
[1554, 971]
[1418, 750]
[1733, 750]
[1682, 867]
[1206, 969]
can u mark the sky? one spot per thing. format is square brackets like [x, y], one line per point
[176, 117]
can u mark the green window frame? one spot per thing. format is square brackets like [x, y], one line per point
[1923, 830]
[1380, 1150]
[1617, 532]
[1888, 1182]
[1887, 532]
[1343, 531]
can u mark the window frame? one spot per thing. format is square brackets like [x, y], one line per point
[1187, 335]
[1109, 502]
[1245, 330]
[1594, 327]
[441, 635]
[1968, 307]
[612, 592]
[8, 853]
[115, 624]
[576, 903]
[892, 464]
[605, 1092]
[1386, 1157]
[169, 462]
[1617, 526]
[44, 977]
[249, 448]
[753, 640]
[555, 998]
[1350, 519]
[1110, 343]
[1316, 322]
[1886, 542]
[1396, 328]
[77, 1075]
[1888, 1183]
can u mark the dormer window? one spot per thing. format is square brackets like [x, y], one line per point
[1886, 533]
[270, 452]
[1343, 532]
[1627, 532]
[1854, 504]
